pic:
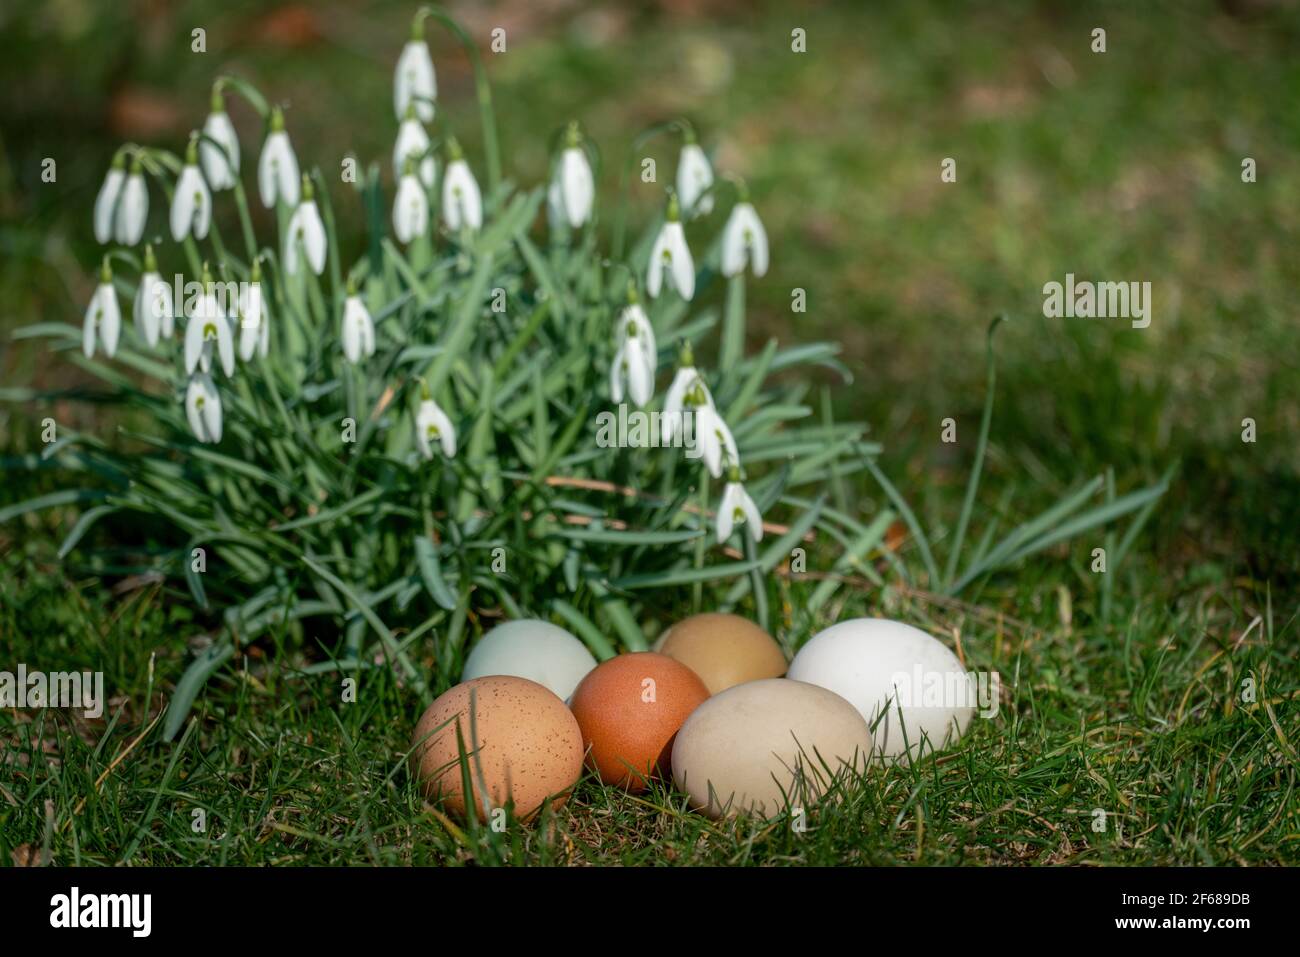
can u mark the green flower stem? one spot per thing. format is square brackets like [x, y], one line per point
[245, 221]
[625, 178]
[757, 583]
[733, 328]
[701, 544]
[482, 90]
[332, 238]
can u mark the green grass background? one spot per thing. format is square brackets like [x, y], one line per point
[1117, 166]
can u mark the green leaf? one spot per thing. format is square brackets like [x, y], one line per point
[684, 576]
[585, 629]
[87, 519]
[52, 500]
[192, 681]
[431, 573]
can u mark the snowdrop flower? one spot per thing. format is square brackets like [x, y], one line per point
[636, 356]
[305, 230]
[670, 254]
[574, 187]
[714, 440]
[106, 200]
[687, 392]
[358, 328]
[413, 142]
[134, 207]
[694, 176]
[414, 81]
[433, 426]
[254, 329]
[221, 156]
[411, 208]
[277, 168]
[738, 508]
[153, 302]
[203, 408]
[207, 325]
[462, 204]
[103, 317]
[191, 203]
[744, 241]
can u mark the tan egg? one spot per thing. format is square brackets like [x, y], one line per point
[740, 750]
[724, 650]
[522, 742]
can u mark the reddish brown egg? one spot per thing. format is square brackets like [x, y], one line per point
[629, 709]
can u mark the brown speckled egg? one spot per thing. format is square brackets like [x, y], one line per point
[629, 709]
[525, 746]
[724, 650]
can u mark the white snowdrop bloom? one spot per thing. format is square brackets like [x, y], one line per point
[671, 255]
[411, 207]
[254, 331]
[203, 408]
[413, 143]
[636, 356]
[305, 231]
[633, 366]
[221, 157]
[462, 204]
[209, 326]
[414, 80]
[277, 168]
[103, 316]
[153, 302]
[714, 439]
[633, 319]
[433, 427]
[191, 203]
[738, 508]
[576, 186]
[106, 200]
[694, 176]
[133, 211]
[358, 329]
[744, 242]
[686, 396]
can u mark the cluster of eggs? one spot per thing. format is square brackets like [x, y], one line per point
[714, 705]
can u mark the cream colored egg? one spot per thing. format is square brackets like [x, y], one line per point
[911, 689]
[533, 649]
[747, 749]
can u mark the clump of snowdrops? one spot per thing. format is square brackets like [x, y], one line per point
[381, 449]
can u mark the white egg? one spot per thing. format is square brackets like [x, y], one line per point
[875, 663]
[532, 649]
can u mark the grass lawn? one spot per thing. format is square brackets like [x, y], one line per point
[1148, 715]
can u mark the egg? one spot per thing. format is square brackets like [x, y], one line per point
[876, 663]
[523, 745]
[629, 708]
[741, 750]
[533, 649]
[724, 650]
